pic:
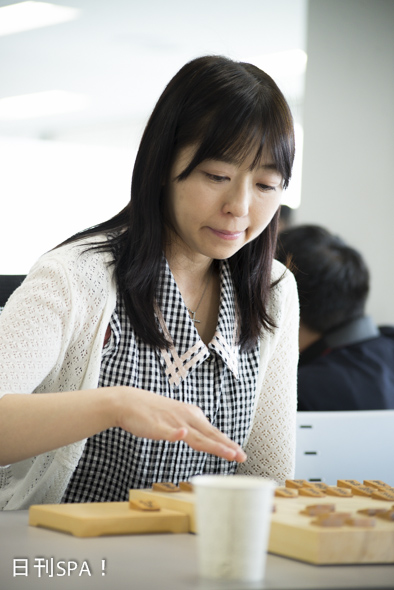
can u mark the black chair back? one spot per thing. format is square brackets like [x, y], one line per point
[8, 284]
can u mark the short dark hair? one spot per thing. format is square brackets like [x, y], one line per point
[332, 277]
[229, 110]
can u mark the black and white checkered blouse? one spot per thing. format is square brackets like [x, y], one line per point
[218, 378]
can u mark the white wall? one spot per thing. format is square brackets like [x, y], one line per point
[348, 157]
[50, 190]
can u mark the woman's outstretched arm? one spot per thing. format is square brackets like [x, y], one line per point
[50, 326]
[38, 423]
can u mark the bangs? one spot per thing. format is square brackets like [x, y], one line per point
[240, 132]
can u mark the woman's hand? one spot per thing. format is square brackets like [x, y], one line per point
[153, 416]
[31, 424]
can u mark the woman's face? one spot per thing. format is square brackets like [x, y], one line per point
[220, 206]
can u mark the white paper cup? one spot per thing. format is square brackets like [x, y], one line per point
[233, 515]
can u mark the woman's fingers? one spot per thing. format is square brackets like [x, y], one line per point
[204, 434]
[216, 443]
[157, 417]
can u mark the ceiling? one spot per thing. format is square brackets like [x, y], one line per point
[121, 53]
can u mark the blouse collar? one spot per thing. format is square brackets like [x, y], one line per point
[187, 351]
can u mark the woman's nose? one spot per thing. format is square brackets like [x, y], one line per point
[237, 201]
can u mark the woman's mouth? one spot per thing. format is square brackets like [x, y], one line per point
[226, 235]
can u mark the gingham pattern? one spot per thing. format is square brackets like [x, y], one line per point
[217, 377]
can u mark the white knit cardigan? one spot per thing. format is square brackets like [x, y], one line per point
[51, 337]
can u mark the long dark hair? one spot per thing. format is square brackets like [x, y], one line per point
[230, 110]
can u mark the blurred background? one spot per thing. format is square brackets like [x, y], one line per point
[79, 78]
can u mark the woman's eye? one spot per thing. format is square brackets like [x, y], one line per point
[265, 188]
[216, 177]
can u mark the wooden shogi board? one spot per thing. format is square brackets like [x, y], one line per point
[293, 535]
[106, 518]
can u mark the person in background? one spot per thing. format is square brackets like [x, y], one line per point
[346, 361]
[162, 343]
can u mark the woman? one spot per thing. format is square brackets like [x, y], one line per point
[163, 342]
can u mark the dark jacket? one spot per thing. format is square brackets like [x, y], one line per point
[351, 368]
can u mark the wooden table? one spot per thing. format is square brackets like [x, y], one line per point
[148, 562]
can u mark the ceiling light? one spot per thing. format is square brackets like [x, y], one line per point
[32, 15]
[41, 104]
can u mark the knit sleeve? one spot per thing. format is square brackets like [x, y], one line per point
[33, 325]
[52, 327]
[271, 444]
